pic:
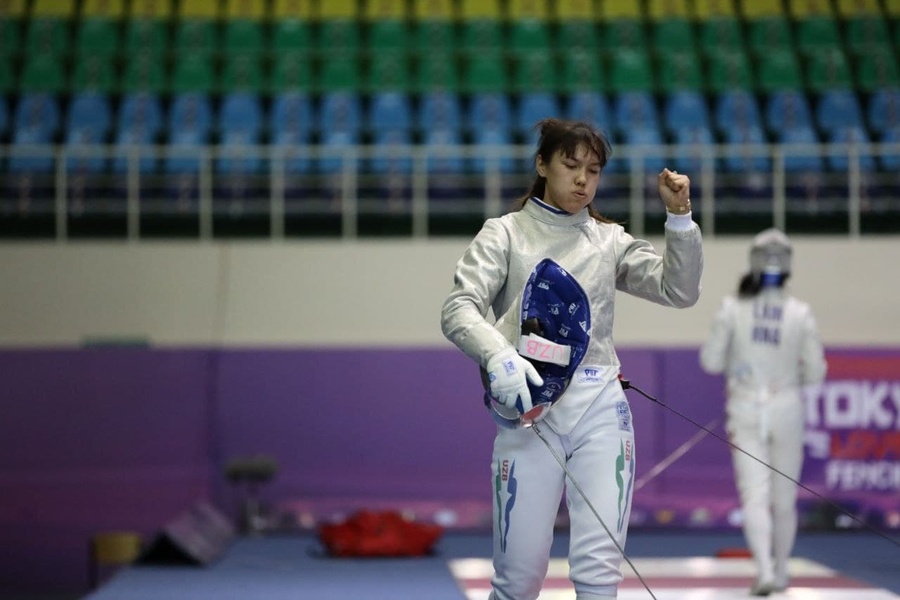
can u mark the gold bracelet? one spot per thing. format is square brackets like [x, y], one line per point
[680, 210]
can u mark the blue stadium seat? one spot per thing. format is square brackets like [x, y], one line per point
[240, 113]
[184, 146]
[741, 160]
[489, 111]
[142, 113]
[190, 112]
[333, 142]
[837, 109]
[692, 143]
[446, 164]
[591, 107]
[389, 111]
[531, 108]
[84, 161]
[855, 134]
[685, 109]
[801, 160]
[290, 125]
[189, 126]
[40, 114]
[239, 122]
[485, 159]
[638, 135]
[883, 110]
[92, 112]
[787, 109]
[387, 160]
[22, 160]
[139, 122]
[890, 161]
[635, 110]
[736, 109]
[138, 138]
[439, 110]
[339, 112]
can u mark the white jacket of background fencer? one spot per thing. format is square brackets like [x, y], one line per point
[767, 343]
[602, 257]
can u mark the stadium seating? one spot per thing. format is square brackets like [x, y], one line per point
[433, 72]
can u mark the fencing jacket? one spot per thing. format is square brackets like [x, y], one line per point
[602, 257]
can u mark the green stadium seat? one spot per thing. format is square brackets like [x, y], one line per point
[291, 35]
[817, 34]
[10, 36]
[338, 35]
[481, 34]
[291, 72]
[144, 72]
[581, 70]
[243, 35]
[146, 36]
[679, 70]
[48, 36]
[43, 73]
[716, 35]
[624, 33]
[243, 72]
[389, 71]
[339, 71]
[772, 33]
[778, 69]
[436, 71]
[672, 35]
[729, 69]
[577, 35]
[94, 73]
[630, 70]
[534, 72]
[196, 35]
[485, 72]
[192, 72]
[828, 69]
[434, 36]
[876, 70]
[867, 34]
[388, 35]
[529, 35]
[97, 35]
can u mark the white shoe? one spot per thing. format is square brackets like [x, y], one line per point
[781, 583]
[762, 588]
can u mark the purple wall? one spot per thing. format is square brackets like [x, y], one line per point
[98, 439]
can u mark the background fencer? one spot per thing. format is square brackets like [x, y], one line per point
[766, 343]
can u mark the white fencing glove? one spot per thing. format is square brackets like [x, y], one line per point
[509, 375]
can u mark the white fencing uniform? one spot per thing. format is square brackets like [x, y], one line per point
[768, 347]
[590, 425]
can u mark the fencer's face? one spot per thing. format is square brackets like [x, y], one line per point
[571, 180]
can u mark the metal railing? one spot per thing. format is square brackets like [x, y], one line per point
[64, 186]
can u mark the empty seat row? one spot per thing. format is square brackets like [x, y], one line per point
[334, 120]
[444, 9]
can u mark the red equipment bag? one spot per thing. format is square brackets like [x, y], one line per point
[384, 534]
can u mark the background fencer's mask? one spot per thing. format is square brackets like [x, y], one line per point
[771, 253]
[555, 328]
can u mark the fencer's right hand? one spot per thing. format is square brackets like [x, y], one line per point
[509, 375]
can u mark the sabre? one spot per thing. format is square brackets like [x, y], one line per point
[676, 454]
[577, 487]
[626, 384]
